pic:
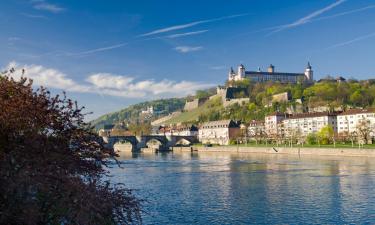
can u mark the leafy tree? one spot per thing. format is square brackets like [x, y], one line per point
[51, 164]
[356, 98]
[326, 134]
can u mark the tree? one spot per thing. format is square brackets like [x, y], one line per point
[52, 165]
[326, 134]
[364, 130]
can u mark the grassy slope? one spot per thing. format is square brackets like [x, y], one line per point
[132, 113]
[193, 115]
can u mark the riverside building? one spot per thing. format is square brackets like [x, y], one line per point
[350, 120]
[307, 123]
[218, 132]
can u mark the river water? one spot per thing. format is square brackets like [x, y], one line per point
[224, 188]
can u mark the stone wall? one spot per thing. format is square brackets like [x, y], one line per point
[190, 105]
[282, 150]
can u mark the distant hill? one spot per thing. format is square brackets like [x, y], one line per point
[132, 114]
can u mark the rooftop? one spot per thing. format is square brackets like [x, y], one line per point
[273, 73]
[229, 123]
[357, 111]
[310, 115]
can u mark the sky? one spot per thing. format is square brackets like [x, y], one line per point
[110, 54]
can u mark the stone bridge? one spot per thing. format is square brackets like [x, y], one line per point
[138, 142]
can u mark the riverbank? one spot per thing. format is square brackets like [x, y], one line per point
[282, 150]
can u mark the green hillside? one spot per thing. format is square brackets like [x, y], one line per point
[195, 115]
[132, 114]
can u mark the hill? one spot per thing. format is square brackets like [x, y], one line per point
[327, 94]
[132, 114]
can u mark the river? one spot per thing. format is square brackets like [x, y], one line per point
[224, 188]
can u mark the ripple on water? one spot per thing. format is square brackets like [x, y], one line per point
[250, 189]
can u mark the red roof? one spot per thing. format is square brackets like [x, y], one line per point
[357, 111]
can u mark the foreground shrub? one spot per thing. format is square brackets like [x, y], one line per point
[51, 164]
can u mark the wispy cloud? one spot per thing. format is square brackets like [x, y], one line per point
[106, 83]
[344, 13]
[315, 19]
[95, 50]
[191, 24]
[352, 41]
[308, 18]
[186, 49]
[45, 6]
[186, 34]
[34, 16]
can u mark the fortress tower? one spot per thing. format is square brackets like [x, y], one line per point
[241, 72]
[309, 73]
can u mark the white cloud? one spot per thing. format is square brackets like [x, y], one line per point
[45, 6]
[48, 77]
[186, 34]
[187, 25]
[106, 83]
[186, 49]
[308, 18]
[126, 86]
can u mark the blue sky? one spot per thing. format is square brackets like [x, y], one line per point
[109, 54]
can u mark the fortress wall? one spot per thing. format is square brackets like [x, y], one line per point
[190, 105]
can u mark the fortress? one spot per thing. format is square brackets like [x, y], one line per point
[271, 75]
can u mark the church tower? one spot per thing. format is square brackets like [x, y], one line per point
[309, 73]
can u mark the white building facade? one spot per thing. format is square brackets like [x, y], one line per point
[272, 123]
[218, 132]
[349, 121]
[307, 123]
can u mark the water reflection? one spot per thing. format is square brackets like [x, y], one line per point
[222, 188]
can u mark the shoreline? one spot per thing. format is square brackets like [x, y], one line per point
[353, 152]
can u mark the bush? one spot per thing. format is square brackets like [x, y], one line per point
[311, 139]
[51, 164]
[325, 135]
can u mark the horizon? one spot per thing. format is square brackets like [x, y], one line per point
[110, 56]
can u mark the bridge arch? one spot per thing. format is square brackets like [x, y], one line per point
[185, 140]
[118, 139]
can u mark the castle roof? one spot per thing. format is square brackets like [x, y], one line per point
[256, 73]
